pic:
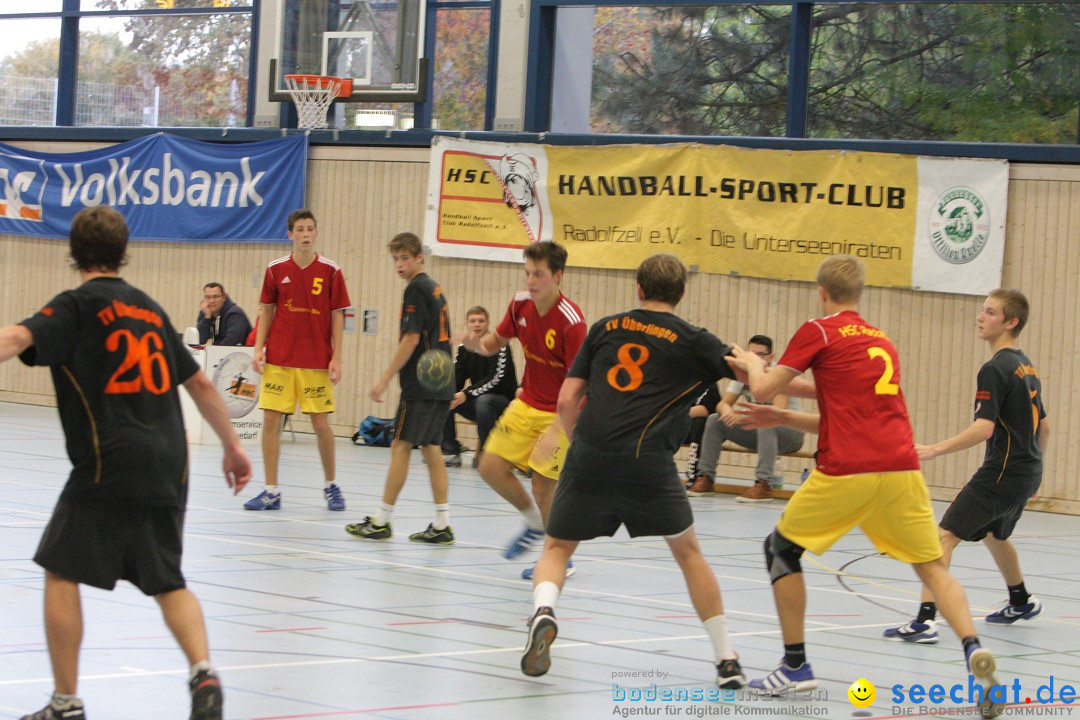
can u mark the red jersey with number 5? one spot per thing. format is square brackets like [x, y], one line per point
[550, 344]
[305, 299]
[864, 422]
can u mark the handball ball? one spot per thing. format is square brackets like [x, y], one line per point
[435, 370]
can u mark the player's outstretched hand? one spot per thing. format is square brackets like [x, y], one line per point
[378, 390]
[926, 452]
[754, 416]
[237, 468]
[737, 360]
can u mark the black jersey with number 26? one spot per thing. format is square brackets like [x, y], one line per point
[644, 369]
[117, 363]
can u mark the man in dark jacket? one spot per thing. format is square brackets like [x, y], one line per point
[221, 320]
[492, 383]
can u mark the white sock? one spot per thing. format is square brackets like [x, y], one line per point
[272, 489]
[546, 594]
[716, 626]
[533, 518]
[383, 515]
[328, 483]
[442, 516]
[65, 702]
[199, 667]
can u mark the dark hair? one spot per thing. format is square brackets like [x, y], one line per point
[301, 214]
[218, 285]
[477, 310]
[662, 277]
[98, 239]
[1013, 305]
[761, 340]
[551, 253]
[406, 241]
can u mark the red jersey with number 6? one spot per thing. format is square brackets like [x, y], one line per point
[864, 422]
[305, 299]
[550, 344]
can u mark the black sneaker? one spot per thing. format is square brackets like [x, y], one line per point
[368, 529]
[206, 698]
[74, 711]
[433, 536]
[453, 461]
[729, 675]
[543, 629]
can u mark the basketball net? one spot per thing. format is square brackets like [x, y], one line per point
[312, 95]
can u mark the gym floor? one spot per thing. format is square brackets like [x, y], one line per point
[308, 622]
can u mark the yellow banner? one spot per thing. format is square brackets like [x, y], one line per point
[763, 213]
[929, 223]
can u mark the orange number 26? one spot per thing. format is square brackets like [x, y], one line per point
[139, 361]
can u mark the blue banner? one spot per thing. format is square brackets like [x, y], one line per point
[167, 187]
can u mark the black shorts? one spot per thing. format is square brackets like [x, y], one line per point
[421, 422]
[585, 508]
[97, 544]
[979, 510]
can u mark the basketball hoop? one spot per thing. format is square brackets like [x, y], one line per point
[313, 94]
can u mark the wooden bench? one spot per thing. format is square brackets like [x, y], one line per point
[804, 452]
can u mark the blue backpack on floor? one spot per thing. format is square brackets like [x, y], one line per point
[375, 431]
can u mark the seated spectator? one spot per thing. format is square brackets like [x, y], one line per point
[699, 414]
[492, 384]
[768, 442]
[221, 321]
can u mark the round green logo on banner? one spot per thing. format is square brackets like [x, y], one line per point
[959, 225]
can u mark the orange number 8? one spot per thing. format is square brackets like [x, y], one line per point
[629, 365]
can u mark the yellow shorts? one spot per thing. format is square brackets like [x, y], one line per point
[529, 438]
[892, 508]
[283, 387]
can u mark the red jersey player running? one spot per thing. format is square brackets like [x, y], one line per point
[550, 328]
[859, 479]
[297, 350]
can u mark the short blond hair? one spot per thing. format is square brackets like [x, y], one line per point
[843, 277]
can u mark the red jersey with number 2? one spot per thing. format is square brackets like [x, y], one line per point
[864, 422]
[550, 344]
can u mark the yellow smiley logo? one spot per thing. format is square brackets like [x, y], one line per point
[862, 693]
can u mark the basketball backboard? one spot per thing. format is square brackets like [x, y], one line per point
[378, 45]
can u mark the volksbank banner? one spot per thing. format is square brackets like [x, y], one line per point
[927, 223]
[168, 188]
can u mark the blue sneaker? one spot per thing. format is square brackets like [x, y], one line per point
[784, 681]
[334, 499]
[914, 632]
[1011, 613]
[265, 500]
[523, 542]
[527, 573]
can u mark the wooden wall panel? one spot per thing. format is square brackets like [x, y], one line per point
[363, 196]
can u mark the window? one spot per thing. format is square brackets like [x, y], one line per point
[962, 72]
[718, 70]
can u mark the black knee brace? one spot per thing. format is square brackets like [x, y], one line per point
[782, 556]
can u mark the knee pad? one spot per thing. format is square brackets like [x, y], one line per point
[782, 556]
